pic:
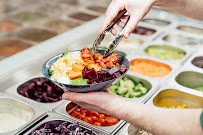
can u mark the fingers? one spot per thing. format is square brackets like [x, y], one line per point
[89, 98]
[90, 107]
[93, 98]
[111, 13]
[113, 31]
[74, 97]
[131, 25]
[125, 17]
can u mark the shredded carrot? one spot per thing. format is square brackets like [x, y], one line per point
[149, 67]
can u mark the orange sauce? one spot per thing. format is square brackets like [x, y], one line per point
[149, 67]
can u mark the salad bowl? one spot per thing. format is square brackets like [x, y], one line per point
[88, 87]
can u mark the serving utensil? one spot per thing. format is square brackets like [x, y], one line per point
[117, 40]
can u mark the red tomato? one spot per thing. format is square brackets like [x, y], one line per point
[112, 120]
[101, 116]
[102, 121]
[81, 116]
[78, 109]
[93, 113]
[88, 113]
[84, 111]
[73, 114]
[97, 124]
[88, 120]
[94, 118]
[76, 112]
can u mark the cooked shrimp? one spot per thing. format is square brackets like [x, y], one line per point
[86, 54]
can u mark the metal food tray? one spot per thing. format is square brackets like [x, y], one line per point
[124, 130]
[172, 79]
[192, 98]
[49, 106]
[154, 85]
[169, 61]
[189, 24]
[104, 129]
[157, 79]
[186, 45]
[148, 26]
[49, 116]
[198, 53]
[38, 113]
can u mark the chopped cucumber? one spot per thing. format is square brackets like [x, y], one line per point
[122, 90]
[135, 94]
[113, 88]
[127, 95]
[122, 83]
[129, 84]
[128, 88]
[144, 90]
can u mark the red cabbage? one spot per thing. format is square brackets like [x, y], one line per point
[60, 127]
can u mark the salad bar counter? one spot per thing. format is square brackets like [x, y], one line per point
[163, 66]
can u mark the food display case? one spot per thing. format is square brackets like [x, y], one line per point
[39, 30]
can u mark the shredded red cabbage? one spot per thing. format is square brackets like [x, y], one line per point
[60, 127]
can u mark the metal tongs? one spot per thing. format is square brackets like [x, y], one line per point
[118, 38]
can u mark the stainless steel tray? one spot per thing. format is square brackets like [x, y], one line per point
[192, 44]
[38, 113]
[194, 81]
[198, 53]
[157, 79]
[169, 61]
[107, 130]
[154, 85]
[189, 24]
[178, 95]
[50, 106]
[49, 116]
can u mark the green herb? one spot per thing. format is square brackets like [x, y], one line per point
[67, 51]
[50, 73]
[58, 58]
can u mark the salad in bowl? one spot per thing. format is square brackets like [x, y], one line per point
[81, 71]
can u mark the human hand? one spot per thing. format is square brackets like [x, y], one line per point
[102, 102]
[136, 9]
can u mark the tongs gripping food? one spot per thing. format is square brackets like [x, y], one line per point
[101, 36]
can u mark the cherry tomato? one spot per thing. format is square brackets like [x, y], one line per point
[76, 112]
[97, 124]
[112, 120]
[93, 113]
[81, 116]
[73, 114]
[88, 113]
[101, 116]
[88, 120]
[84, 111]
[102, 121]
[94, 118]
[78, 109]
